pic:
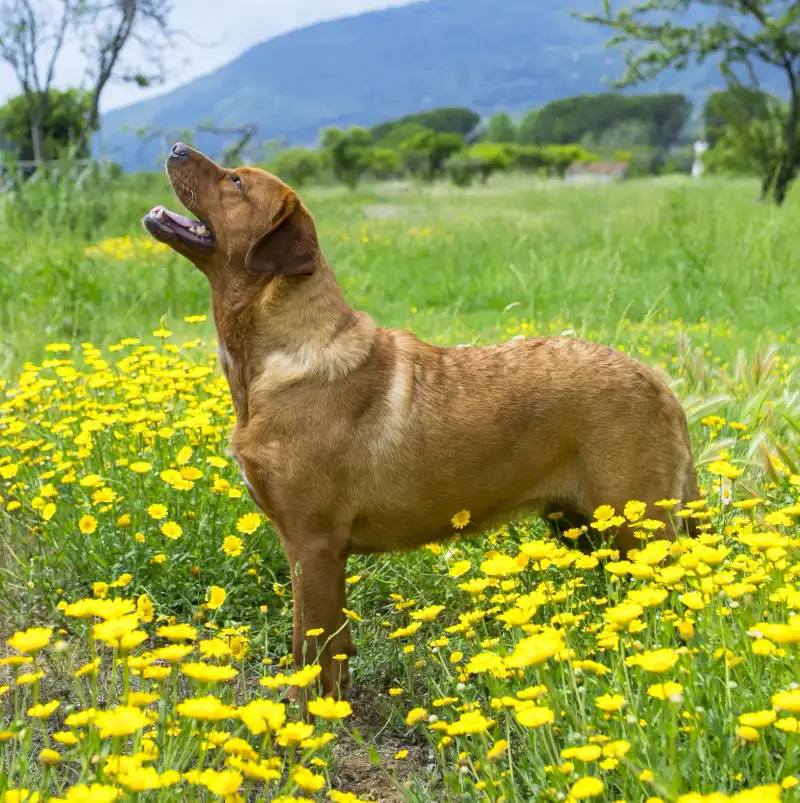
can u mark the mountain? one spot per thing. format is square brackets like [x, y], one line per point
[512, 55]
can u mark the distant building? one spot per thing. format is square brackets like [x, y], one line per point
[596, 172]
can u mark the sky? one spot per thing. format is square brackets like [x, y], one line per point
[211, 40]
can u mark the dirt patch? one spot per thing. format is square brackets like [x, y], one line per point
[353, 769]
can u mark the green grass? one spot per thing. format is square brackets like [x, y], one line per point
[470, 263]
[694, 277]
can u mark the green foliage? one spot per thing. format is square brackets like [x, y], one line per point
[734, 107]
[659, 119]
[664, 34]
[425, 154]
[298, 166]
[501, 128]
[348, 152]
[384, 163]
[447, 120]
[397, 134]
[66, 113]
[480, 160]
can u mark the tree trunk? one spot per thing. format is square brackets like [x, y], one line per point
[788, 166]
[36, 115]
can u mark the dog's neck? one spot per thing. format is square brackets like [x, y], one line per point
[291, 329]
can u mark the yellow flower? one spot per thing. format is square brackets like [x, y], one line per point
[469, 723]
[29, 678]
[308, 781]
[328, 708]
[140, 467]
[248, 523]
[215, 597]
[122, 721]
[586, 787]
[400, 755]
[758, 719]
[294, 733]
[665, 691]
[305, 676]
[461, 519]
[87, 524]
[336, 797]
[427, 614]
[657, 661]
[610, 702]
[586, 753]
[31, 640]
[459, 568]
[180, 632]
[747, 733]
[623, 614]
[260, 716]
[172, 530]
[43, 710]
[233, 546]
[145, 609]
[535, 649]
[208, 674]
[534, 716]
[224, 783]
[415, 715]
[504, 565]
[157, 512]
[49, 757]
[404, 632]
[205, 708]
[787, 701]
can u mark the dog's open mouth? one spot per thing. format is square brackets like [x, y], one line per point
[170, 227]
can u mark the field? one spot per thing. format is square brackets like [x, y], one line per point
[146, 607]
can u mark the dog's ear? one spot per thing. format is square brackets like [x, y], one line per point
[289, 247]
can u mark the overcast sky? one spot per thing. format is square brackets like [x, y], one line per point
[214, 39]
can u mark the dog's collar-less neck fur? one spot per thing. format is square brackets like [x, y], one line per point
[260, 346]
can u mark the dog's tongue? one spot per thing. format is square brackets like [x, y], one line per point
[181, 220]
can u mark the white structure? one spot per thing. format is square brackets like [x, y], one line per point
[698, 168]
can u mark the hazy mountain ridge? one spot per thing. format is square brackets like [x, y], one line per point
[375, 66]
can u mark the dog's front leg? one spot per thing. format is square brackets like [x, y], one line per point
[318, 587]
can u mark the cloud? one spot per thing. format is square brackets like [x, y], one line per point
[211, 39]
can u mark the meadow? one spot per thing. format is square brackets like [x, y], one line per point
[146, 606]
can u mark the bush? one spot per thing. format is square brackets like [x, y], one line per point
[298, 166]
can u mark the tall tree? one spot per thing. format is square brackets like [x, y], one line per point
[66, 112]
[742, 35]
[501, 129]
[32, 35]
[110, 30]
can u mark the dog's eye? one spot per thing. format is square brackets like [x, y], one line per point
[236, 180]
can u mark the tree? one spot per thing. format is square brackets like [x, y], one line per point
[30, 43]
[297, 166]
[447, 120]
[348, 152]
[501, 129]
[733, 106]
[426, 153]
[742, 35]
[65, 113]
[570, 120]
[32, 36]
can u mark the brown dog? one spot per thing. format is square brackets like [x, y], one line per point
[356, 439]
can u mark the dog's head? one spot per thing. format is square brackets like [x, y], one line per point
[251, 227]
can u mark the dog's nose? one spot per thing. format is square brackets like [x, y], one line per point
[180, 151]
